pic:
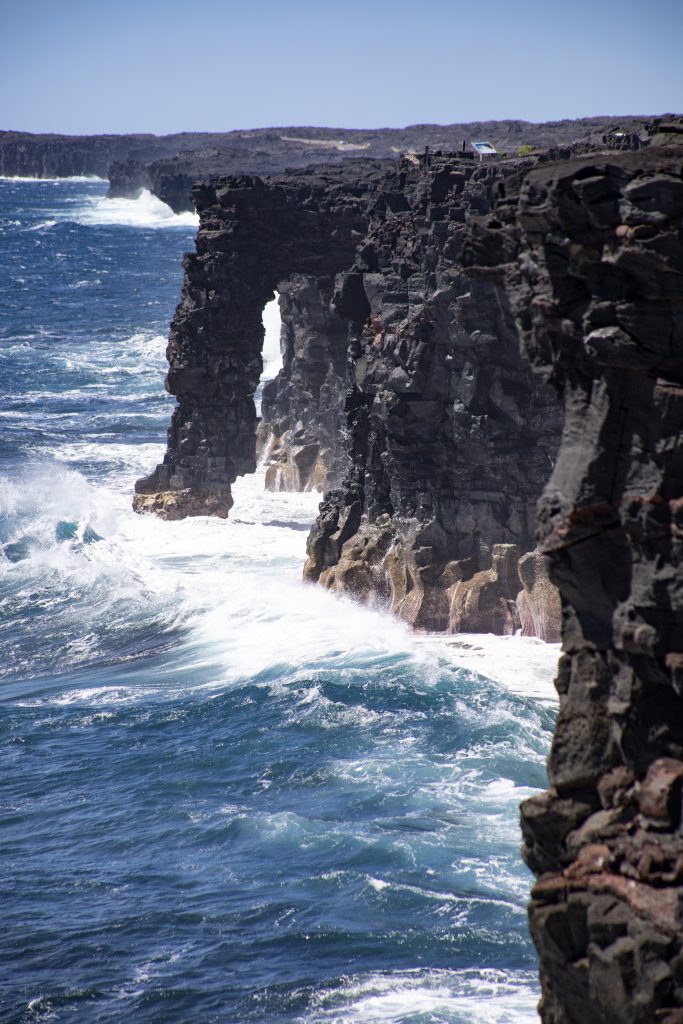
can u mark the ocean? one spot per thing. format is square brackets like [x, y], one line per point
[227, 797]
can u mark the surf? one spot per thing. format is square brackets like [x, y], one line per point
[228, 793]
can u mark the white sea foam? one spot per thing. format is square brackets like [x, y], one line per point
[439, 996]
[272, 355]
[141, 353]
[238, 584]
[51, 181]
[523, 665]
[145, 211]
[43, 225]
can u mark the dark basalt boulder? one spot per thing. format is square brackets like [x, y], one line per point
[587, 258]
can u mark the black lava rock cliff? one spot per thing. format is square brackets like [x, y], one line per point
[292, 234]
[450, 435]
[588, 260]
[402, 389]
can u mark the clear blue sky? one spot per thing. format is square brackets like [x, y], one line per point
[215, 65]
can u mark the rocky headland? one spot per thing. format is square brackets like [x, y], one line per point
[403, 394]
[483, 369]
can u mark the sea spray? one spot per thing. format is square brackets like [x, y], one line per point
[142, 211]
[227, 796]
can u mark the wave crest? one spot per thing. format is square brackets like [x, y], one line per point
[144, 211]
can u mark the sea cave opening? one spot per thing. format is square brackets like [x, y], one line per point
[300, 396]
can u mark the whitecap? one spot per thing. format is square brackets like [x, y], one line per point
[487, 996]
[42, 226]
[51, 181]
[93, 283]
[144, 211]
[523, 665]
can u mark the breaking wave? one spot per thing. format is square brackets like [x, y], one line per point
[229, 796]
[144, 211]
[76, 179]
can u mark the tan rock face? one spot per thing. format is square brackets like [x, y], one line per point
[486, 603]
[294, 467]
[538, 605]
[388, 565]
[182, 504]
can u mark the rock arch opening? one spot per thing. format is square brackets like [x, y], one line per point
[300, 434]
[292, 235]
[272, 346]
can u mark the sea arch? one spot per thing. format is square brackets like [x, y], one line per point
[255, 239]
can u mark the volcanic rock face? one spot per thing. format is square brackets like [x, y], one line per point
[429, 426]
[451, 437]
[588, 259]
[253, 239]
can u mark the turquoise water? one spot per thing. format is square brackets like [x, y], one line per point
[227, 797]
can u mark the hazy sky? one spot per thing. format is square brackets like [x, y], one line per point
[214, 65]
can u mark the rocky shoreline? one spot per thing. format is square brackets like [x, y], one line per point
[501, 344]
[402, 391]
[483, 373]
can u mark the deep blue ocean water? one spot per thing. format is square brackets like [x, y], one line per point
[226, 797]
